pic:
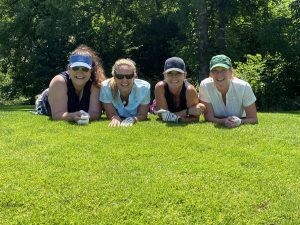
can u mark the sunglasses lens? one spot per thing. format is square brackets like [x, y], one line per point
[84, 69]
[76, 68]
[121, 76]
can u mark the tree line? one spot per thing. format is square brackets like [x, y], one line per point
[260, 36]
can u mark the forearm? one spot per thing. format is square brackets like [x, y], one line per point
[249, 120]
[140, 117]
[63, 116]
[190, 119]
[94, 116]
[216, 120]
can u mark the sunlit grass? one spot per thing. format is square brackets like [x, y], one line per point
[152, 173]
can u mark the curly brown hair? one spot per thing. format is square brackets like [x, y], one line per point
[97, 73]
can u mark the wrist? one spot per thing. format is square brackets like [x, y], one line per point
[187, 112]
[115, 117]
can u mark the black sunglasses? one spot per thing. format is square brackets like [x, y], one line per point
[121, 76]
[84, 69]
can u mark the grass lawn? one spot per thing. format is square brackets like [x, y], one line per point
[55, 172]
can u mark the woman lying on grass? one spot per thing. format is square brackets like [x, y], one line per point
[125, 98]
[74, 92]
[229, 101]
[176, 99]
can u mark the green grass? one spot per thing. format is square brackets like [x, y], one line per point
[55, 172]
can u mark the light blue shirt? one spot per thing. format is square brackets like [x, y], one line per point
[139, 95]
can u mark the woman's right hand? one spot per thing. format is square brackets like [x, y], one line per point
[76, 116]
[115, 121]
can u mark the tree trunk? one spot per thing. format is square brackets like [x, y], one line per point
[204, 42]
[222, 26]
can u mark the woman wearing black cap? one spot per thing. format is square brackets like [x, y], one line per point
[74, 92]
[176, 99]
[229, 101]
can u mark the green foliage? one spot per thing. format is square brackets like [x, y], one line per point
[270, 81]
[151, 173]
[37, 36]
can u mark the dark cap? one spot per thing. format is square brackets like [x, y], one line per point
[220, 61]
[174, 64]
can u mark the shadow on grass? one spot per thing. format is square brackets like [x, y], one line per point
[180, 124]
[16, 107]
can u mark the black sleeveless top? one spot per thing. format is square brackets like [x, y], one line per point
[73, 99]
[43, 106]
[170, 98]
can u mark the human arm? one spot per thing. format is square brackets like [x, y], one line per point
[111, 114]
[194, 109]
[95, 107]
[142, 112]
[251, 114]
[58, 100]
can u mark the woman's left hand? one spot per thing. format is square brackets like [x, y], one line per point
[197, 110]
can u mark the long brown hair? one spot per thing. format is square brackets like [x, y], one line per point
[97, 73]
[119, 62]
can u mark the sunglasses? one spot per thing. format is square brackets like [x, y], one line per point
[121, 76]
[84, 69]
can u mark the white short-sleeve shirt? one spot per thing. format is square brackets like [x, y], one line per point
[239, 96]
[139, 95]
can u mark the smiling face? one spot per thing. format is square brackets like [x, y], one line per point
[221, 77]
[79, 76]
[174, 79]
[124, 78]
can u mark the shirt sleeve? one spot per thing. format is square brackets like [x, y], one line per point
[249, 97]
[146, 99]
[105, 95]
[203, 93]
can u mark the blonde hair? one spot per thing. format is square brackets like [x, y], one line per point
[97, 73]
[119, 62]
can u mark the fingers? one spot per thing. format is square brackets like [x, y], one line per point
[114, 123]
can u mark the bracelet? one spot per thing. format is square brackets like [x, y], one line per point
[187, 112]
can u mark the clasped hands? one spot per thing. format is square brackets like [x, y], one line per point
[232, 121]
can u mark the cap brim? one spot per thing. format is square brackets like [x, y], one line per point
[220, 65]
[80, 64]
[173, 69]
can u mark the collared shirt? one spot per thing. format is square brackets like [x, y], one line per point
[238, 96]
[139, 95]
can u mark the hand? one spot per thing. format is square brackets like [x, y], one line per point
[76, 116]
[84, 118]
[128, 122]
[233, 121]
[167, 116]
[115, 121]
[197, 110]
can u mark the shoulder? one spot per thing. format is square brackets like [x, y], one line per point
[141, 83]
[105, 84]
[160, 84]
[240, 83]
[58, 80]
[207, 81]
[189, 87]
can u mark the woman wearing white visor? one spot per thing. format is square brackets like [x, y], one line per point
[74, 92]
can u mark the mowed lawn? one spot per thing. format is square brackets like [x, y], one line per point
[55, 172]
